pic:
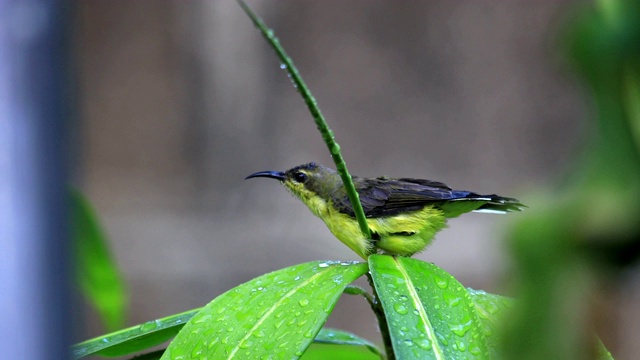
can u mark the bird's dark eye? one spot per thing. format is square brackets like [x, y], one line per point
[300, 177]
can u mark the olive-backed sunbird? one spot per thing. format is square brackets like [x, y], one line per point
[403, 214]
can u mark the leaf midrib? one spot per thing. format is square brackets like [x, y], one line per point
[272, 309]
[423, 315]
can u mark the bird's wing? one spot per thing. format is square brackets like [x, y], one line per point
[429, 183]
[387, 197]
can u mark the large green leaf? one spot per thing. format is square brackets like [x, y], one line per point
[429, 313]
[134, 339]
[96, 272]
[276, 315]
[490, 309]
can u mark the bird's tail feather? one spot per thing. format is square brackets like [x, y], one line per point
[493, 204]
[500, 205]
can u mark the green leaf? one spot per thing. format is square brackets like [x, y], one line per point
[603, 353]
[276, 315]
[355, 290]
[429, 313]
[144, 336]
[339, 337]
[338, 352]
[96, 272]
[134, 339]
[490, 309]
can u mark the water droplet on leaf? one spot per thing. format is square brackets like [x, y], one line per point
[423, 344]
[442, 283]
[148, 326]
[245, 344]
[400, 309]
[461, 329]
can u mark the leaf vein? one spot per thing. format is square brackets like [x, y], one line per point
[423, 315]
[272, 309]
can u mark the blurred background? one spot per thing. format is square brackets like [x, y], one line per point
[179, 101]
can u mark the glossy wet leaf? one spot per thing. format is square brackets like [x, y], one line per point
[96, 271]
[429, 313]
[490, 309]
[276, 315]
[134, 339]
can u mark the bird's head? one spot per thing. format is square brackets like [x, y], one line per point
[307, 182]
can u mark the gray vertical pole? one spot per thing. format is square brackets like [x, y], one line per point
[34, 242]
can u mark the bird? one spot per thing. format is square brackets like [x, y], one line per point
[403, 214]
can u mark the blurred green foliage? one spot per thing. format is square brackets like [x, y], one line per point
[97, 274]
[570, 248]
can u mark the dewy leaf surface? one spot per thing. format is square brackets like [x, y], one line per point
[491, 309]
[429, 313]
[134, 339]
[276, 315]
[151, 333]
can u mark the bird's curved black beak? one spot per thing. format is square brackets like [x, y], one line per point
[278, 175]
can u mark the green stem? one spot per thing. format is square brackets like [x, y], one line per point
[312, 104]
[376, 306]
